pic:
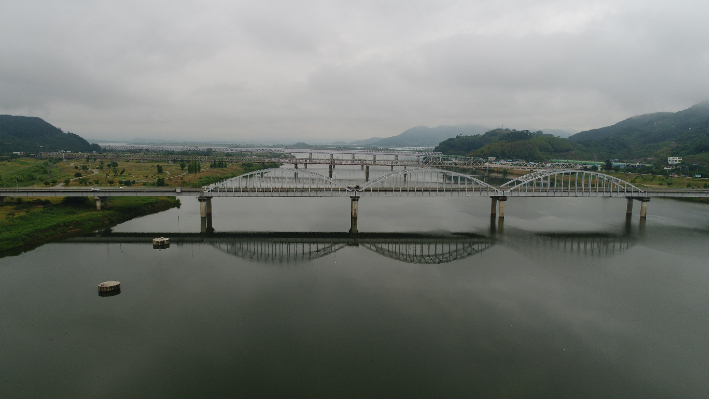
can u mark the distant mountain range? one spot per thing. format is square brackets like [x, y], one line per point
[423, 136]
[31, 134]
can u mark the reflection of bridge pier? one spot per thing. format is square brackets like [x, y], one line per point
[205, 214]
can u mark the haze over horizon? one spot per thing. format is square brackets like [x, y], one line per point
[285, 71]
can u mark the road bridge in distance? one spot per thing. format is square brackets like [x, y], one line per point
[332, 158]
[414, 182]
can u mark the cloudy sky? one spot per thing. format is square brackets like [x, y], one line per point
[345, 70]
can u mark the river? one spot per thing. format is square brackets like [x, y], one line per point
[565, 298]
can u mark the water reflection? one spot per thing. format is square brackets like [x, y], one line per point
[416, 248]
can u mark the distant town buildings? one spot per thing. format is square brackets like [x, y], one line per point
[674, 160]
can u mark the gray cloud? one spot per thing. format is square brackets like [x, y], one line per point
[346, 70]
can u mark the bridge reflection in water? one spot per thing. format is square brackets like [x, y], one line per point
[416, 248]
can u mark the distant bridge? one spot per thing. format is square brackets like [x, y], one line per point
[305, 157]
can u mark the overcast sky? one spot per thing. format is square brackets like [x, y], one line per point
[345, 70]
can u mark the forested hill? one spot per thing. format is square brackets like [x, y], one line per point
[507, 143]
[654, 127]
[662, 134]
[657, 136]
[31, 134]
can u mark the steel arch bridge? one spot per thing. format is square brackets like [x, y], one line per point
[570, 182]
[431, 182]
[302, 182]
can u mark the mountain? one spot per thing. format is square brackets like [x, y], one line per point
[661, 134]
[422, 136]
[656, 136]
[31, 134]
[509, 144]
[366, 141]
[557, 132]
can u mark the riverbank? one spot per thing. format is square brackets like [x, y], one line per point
[27, 224]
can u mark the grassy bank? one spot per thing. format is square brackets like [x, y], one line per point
[28, 224]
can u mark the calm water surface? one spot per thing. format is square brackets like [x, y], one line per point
[566, 299]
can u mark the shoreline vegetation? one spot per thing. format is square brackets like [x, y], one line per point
[27, 224]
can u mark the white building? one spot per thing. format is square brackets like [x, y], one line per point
[674, 160]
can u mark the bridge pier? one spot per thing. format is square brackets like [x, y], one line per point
[630, 204]
[367, 173]
[101, 201]
[353, 214]
[644, 206]
[330, 171]
[205, 214]
[501, 206]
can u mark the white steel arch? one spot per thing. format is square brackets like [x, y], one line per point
[573, 182]
[281, 181]
[427, 181]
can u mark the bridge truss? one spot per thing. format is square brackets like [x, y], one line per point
[302, 182]
[569, 182]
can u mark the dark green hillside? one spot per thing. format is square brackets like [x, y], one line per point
[530, 146]
[27, 134]
[511, 144]
[662, 134]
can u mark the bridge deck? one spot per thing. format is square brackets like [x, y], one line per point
[310, 192]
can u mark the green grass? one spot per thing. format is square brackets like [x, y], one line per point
[31, 223]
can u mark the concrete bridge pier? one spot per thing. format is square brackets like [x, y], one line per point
[295, 166]
[330, 171]
[353, 214]
[367, 173]
[629, 205]
[644, 206]
[205, 214]
[101, 201]
[501, 207]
